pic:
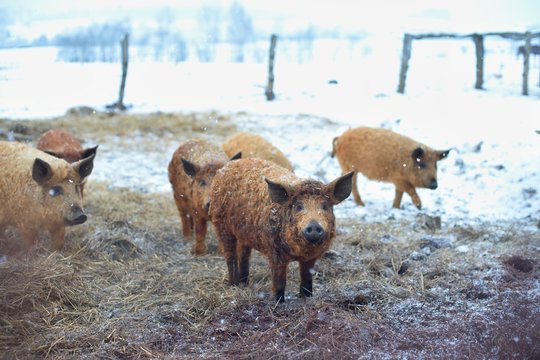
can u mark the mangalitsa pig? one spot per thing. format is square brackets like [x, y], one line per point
[257, 204]
[39, 193]
[384, 155]
[191, 171]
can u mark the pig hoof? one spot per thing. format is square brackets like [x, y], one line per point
[199, 252]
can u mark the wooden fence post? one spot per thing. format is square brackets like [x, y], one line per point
[479, 49]
[526, 56]
[125, 58]
[539, 68]
[405, 56]
[269, 92]
[120, 103]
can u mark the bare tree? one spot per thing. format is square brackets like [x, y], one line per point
[4, 22]
[169, 44]
[164, 19]
[208, 24]
[240, 30]
[305, 39]
[97, 42]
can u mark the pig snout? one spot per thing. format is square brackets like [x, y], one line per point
[433, 184]
[76, 216]
[314, 232]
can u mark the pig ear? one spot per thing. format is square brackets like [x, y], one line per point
[417, 154]
[341, 187]
[84, 167]
[443, 154]
[89, 152]
[190, 168]
[237, 156]
[41, 171]
[278, 192]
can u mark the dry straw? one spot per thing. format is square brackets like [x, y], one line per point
[127, 286]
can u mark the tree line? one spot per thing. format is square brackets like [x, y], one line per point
[166, 41]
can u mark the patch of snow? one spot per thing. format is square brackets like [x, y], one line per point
[491, 174]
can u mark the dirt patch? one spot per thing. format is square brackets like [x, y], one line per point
[127, 286]
[520, 264]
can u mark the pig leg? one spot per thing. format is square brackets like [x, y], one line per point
[306, 278]
[200, 234]
[244, 252]
[414, 196]
[409, 189]
[58, 238]
[229, 252]
[187, 224]
[279, 280]
[355, 192]
[397, 199]
[185, 217]
[29, 237]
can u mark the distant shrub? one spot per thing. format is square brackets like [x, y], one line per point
[96, 42]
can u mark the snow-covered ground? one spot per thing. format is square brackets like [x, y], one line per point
[492, 173]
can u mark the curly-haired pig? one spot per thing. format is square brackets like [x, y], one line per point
[253, 145]
[64, 145]
[384, 155]
[39, 193]
[191, 171]
[257, 204]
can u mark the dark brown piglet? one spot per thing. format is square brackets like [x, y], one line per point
[257, 204]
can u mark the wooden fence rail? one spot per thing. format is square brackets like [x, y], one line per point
[478, 40]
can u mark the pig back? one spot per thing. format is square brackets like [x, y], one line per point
[379, 154]
[62, 143]
[253, 145]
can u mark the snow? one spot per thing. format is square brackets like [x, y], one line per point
[491, 174]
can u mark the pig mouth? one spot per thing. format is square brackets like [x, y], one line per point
[77, 221]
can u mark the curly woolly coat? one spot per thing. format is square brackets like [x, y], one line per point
[253, 145]
[256, 204]
[383, 155]
[39, 193]
[191, 171]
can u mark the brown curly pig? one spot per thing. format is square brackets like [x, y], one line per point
[383, 155]
[39, 193]
[191, 171]
[65, 146]
[256, 204]
[252, 145]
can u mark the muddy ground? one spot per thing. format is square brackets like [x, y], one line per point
[126, 284]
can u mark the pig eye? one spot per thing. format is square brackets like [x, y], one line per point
[55, 191]
[202, 183]
[325, 206]
[298, 206]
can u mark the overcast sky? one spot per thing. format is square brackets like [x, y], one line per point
[348, 15]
